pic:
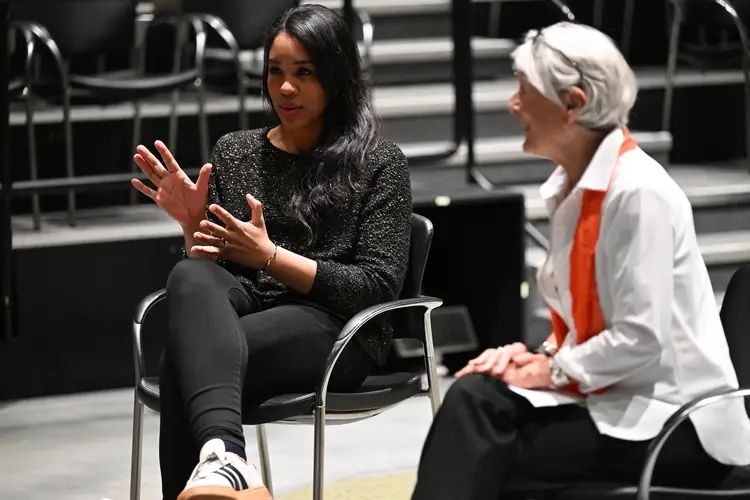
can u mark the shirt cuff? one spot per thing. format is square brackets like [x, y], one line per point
[566, 360]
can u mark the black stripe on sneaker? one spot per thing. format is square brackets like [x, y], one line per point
[239, 475]
[229, 477]
[235, 480]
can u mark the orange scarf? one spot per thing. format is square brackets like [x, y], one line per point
[587, 313]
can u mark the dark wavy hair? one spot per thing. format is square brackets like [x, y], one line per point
[349, 124]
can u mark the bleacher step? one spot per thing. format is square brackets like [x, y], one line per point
[397, 7]
[411, 60]
[503, 161]
[426, 100]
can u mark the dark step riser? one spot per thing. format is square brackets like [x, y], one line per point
[437, 71]
[424, 24]
[406, 130]
[534, 170]
[411, 26]
[707, 219]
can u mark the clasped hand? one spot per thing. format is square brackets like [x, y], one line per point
[245, 243]
[514, 365]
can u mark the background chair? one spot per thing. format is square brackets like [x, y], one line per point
[375, 395]
[19, 87]
[725, 15]
[65, 29]
[735, 316]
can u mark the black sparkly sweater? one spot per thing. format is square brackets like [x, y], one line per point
[361, 250]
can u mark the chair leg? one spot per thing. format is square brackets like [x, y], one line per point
[203, 120]
[627, 27]
[241, 92]
[496, 9]
[69, 169]
[674, 39]
[319, 451]
[173, 120]
[36, 211]
[134, 195]
[137, 450]
[598, 14]
[265, 460]
[432, 374]
[179, 45]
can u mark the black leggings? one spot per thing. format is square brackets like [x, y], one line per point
[485, 436]
[223, 351]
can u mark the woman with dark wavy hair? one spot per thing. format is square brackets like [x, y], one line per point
[289, 231]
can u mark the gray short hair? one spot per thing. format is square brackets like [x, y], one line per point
[566, 55]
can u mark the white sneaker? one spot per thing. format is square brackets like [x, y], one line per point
[221, 475]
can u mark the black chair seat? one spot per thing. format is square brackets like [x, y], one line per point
[15, 88]
[112, 87]
[376, 392]
[131, 85]
[737, 485]
[278, 408]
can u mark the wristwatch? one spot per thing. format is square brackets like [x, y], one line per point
[547, 348]
[558, 376]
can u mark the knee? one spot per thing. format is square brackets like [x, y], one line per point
[474, 389]
[189, 272]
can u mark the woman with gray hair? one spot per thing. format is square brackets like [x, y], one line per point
[636, 330]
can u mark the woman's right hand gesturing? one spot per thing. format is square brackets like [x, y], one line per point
[175, 193]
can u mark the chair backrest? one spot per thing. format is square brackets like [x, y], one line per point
[419, 249]
[408, 323]
[248, 20]
[712, 14]
[82, 27]
[735, 317]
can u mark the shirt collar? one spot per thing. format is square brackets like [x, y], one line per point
[595, 177]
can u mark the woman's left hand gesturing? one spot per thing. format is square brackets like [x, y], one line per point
[244, 243]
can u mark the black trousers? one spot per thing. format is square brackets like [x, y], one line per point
[485, 436]
[225, 351]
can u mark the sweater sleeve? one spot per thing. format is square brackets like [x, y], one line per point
[377, 270]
